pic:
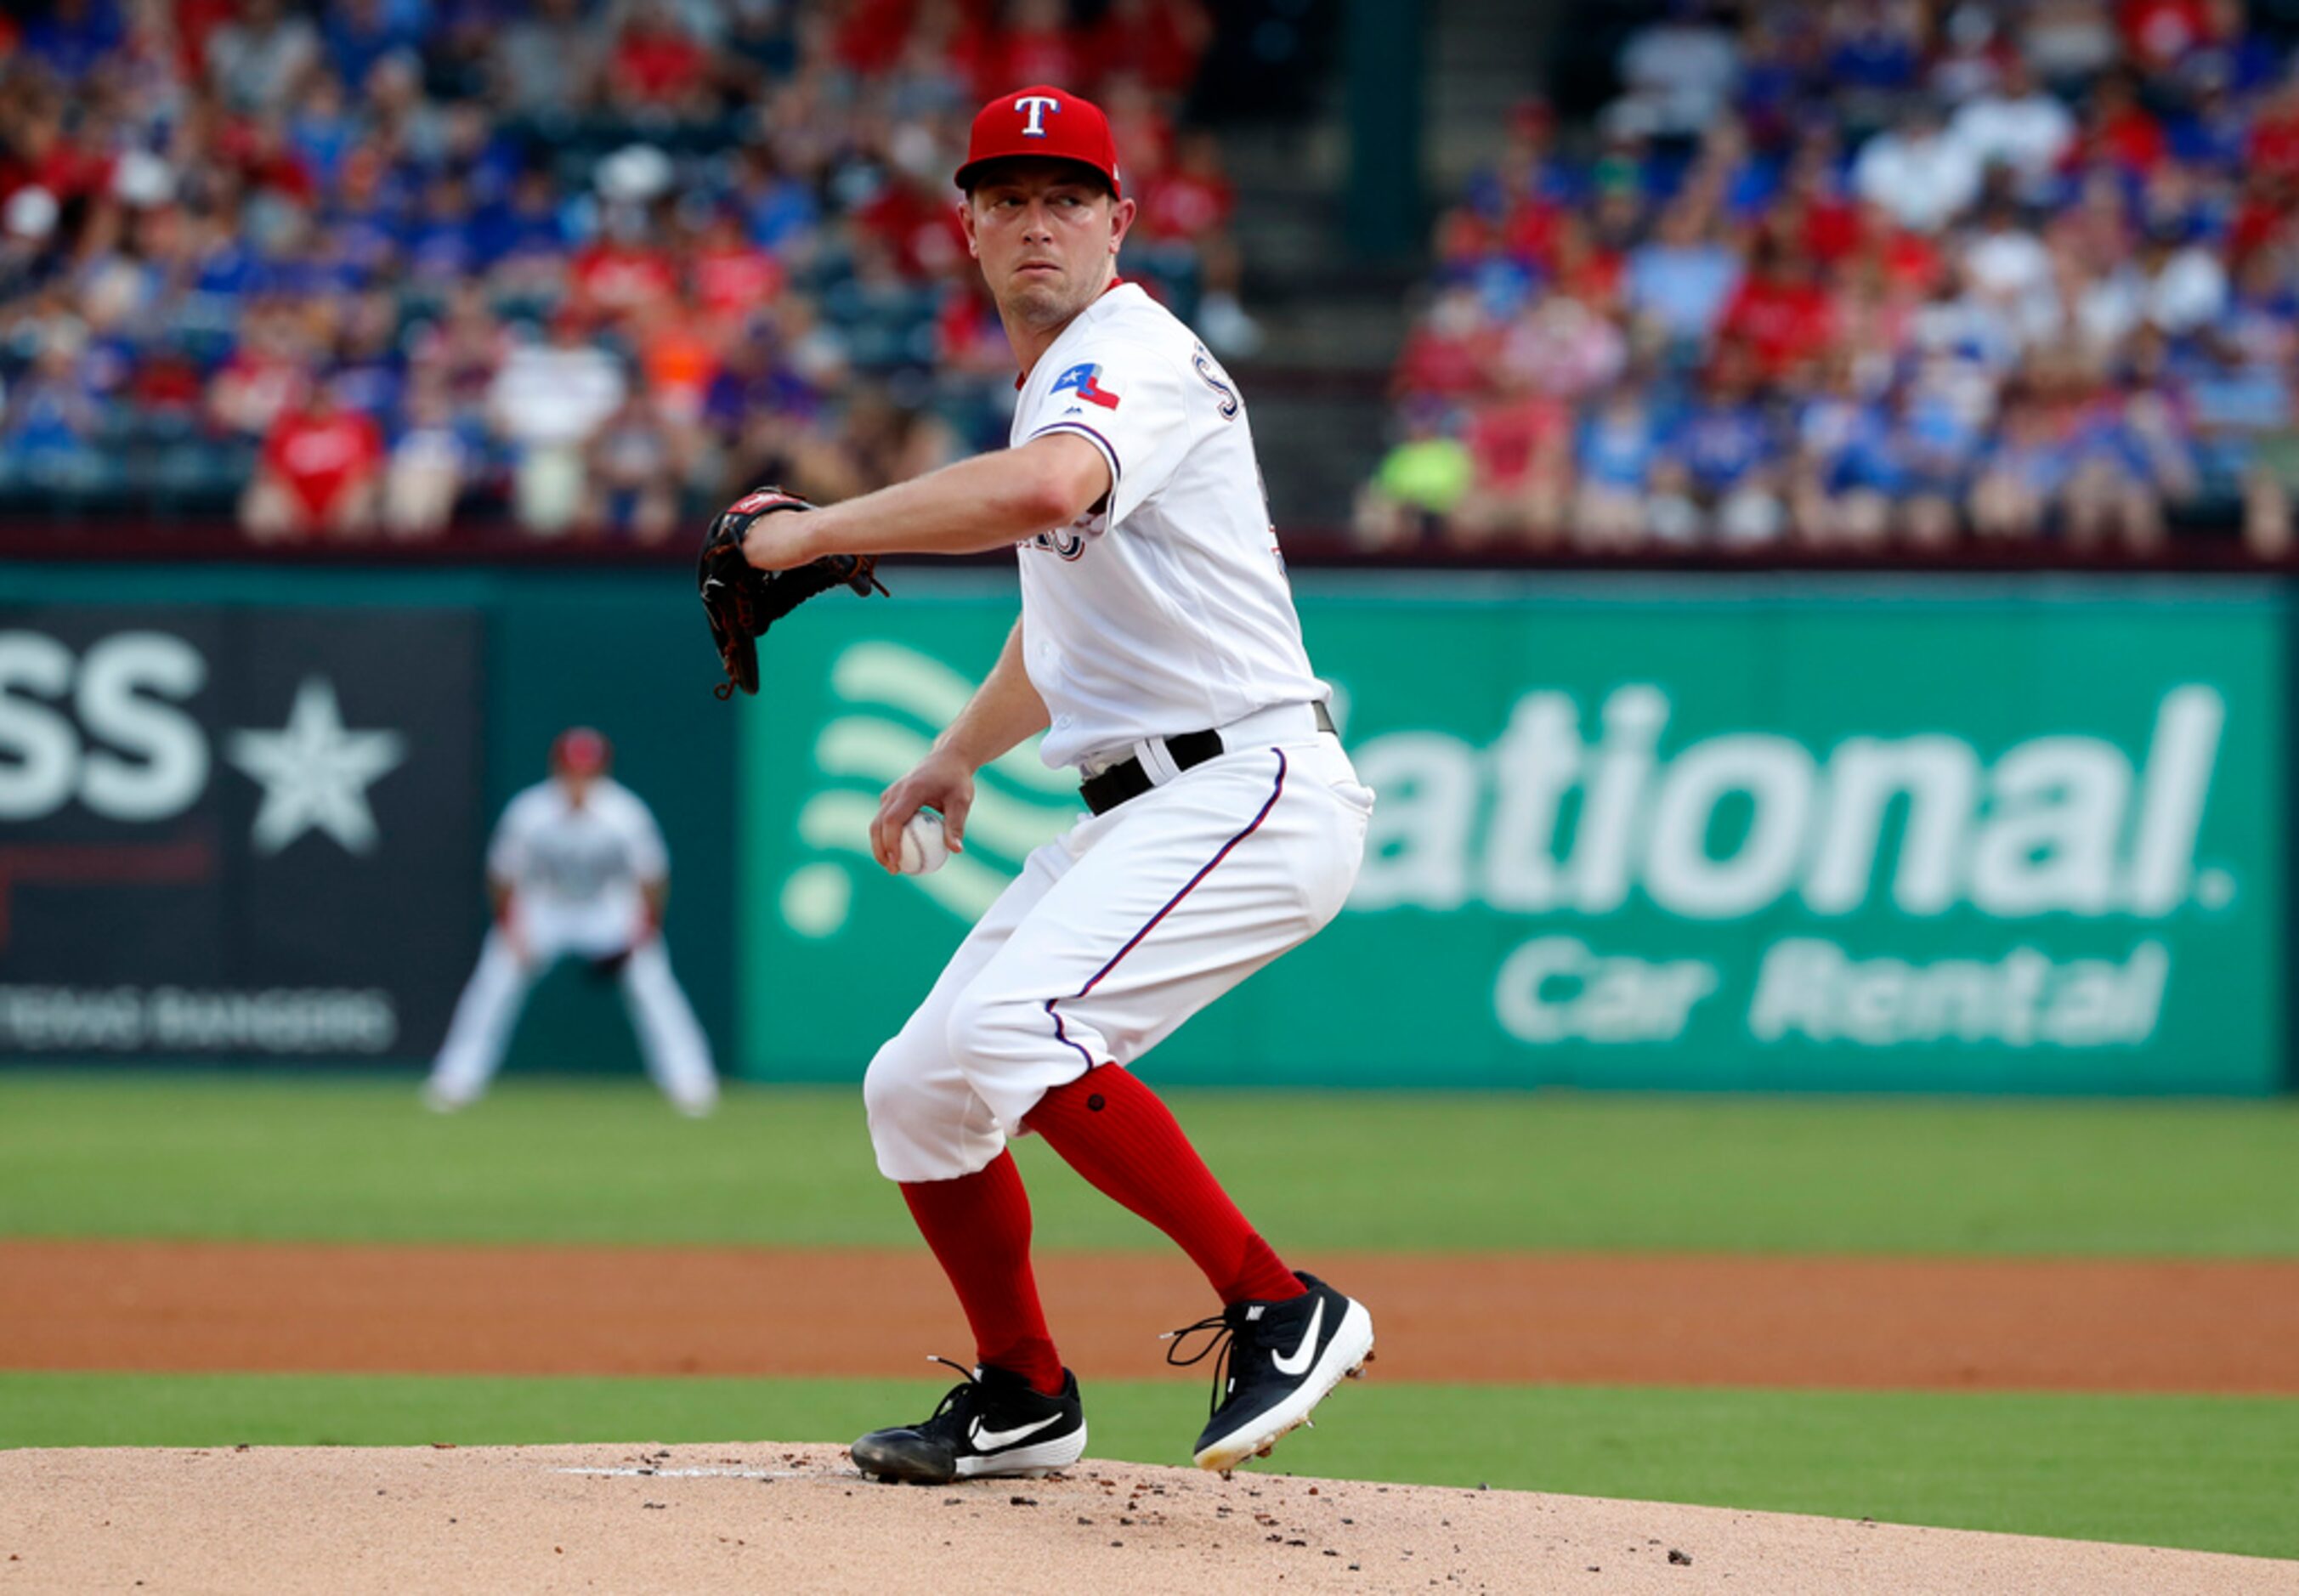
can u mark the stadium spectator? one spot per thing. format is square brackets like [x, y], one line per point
[257, 59]
[1680, 280]
[2017, 126]
[632, 463]
[1520, 453]
[547, 403]
[1614, 453]
[545, 61]
[320, 472]
[1420, 481]
[1918, 173]
[429, 465]
[1679, 72]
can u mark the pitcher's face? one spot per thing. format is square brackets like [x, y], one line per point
[1046, 233]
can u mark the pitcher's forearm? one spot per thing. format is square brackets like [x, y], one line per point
[1004, 712]
[990, 502]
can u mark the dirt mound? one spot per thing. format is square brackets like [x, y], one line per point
[757, 1515]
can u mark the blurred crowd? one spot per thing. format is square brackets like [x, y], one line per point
[595, 264]
[1873, 274]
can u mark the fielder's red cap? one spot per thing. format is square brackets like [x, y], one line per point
[579, 751]
[1049, 123]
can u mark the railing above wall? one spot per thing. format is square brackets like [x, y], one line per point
[501, 543]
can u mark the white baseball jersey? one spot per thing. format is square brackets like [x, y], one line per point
[575, 876]
[1166, 609]
[576, 873]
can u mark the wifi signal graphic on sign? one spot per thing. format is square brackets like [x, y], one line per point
[1019, 803]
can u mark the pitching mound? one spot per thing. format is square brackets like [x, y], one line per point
[767, 1517]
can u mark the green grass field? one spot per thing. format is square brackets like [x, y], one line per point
[129, 1155]
[314, 1159]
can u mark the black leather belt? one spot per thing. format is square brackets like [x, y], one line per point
[1127, 779]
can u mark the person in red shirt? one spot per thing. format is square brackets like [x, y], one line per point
[620, 273]
[2119, 131]
[1032, 42]
[917, 226]
[869, 36]
[1192, 200]
[2159, 34]
[1159, 41]
[654, 63]
[1520, 453]
[2273, 146]
[1185, 215]
[321, 471]
[731, 276]
[1448, 350]
[1781, 311]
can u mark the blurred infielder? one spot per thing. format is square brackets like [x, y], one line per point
[1159, 651]
[577, 867]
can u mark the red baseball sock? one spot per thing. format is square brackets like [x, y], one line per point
[1117, 1133]
[979, 1229]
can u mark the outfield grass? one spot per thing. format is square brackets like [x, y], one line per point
[284, 1157]
[2207, 1473]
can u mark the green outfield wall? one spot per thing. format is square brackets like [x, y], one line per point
[1695, 833]
[1730, 834]
[152, 913]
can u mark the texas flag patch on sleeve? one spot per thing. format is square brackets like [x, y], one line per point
[1085, 381]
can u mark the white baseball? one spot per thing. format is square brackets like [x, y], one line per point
[925, 848]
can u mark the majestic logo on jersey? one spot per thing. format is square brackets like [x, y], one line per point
[1034, 107]
[1069, 542]
[1216, 378]
[1086, 382]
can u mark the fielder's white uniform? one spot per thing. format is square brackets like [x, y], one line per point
[577, 877]
[1167, 612]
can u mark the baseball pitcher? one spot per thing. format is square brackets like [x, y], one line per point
[1159, 650]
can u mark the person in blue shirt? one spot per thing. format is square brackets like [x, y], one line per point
[2241, 410]
[71, 37]
[1614, 453]
[1937, 445]
[2022, 469]
[1722, 459]
[1849, 465]
[1679, 280]
[2126, 455]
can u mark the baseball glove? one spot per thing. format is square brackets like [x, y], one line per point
[741, 601]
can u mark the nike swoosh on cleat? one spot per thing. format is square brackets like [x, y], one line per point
[992, 1441]
[1298, 1363]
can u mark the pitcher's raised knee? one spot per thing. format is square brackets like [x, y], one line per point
[918, 1112]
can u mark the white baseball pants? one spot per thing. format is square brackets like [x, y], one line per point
[1114, 934]
[670, 1038]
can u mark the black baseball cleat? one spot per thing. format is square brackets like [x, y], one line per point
[1280, 1361]
[994, 1425]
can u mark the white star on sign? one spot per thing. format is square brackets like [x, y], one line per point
[314, 773]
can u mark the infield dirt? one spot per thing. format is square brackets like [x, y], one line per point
[770, 1518]
[1868, 1323]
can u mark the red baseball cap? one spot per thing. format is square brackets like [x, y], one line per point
[578, 750]
[1044, 122]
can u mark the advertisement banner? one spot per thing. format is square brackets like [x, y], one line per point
[233, 831]
[1760, 835]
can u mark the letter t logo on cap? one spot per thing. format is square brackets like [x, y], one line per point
[1034, 107]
